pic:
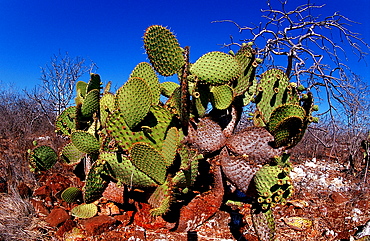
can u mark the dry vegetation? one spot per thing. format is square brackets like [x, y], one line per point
[337, 151]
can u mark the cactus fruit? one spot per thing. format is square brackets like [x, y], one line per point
[42, 158]
[85, 210]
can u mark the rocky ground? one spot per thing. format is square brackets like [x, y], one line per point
[329, 203]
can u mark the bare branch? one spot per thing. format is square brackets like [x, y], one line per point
[316, 49]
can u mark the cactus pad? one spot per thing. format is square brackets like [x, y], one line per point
[71, 194]
[149, 161]
[147, 73]
[254, 142]
[163, 49]
[95, 181]
[107, 106]
[85, 142]
[206, 135]
[70, 155]
[216, 68]
[42, 158]
[134, 99]
[91, 103]
[273, 185]
[122, 169]
[167, 88]
[286, 124]
[222, 96]
[66, 121]
[239, 170]
[85, 210]
[94, 83]
[271, 92]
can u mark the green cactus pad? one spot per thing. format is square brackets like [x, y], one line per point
[201, 96]
[163, 49]
[70, 155]
[42, 158]
[122, 169]
[144, 71]
[167, 88]
[66, 121]
[71, 194]
[246, 59]
[273, 185]
[160, 200]
[134, 100]
[95, 183]
[170, 145]
[85, 142]
[222, 96]
[85, 210]
[91, 103]
[189, 167]
[158, 120]
[107, 106]
[286, 124]
[272, 92]
[94, 83]
[216, 68]
[174, 102]
[81, 88]
[149, 161]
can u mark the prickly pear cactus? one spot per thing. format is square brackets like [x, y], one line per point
[160, 137]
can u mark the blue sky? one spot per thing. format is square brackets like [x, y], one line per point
[110, 32]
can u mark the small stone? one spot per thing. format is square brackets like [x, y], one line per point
[114, 210]
[99, 224]
[39, 207]
[42, 192]
[114, 193]
[338, 198]
[3, 185]
[57, 216]
[66, 227]
[125, 218]
[24, 190]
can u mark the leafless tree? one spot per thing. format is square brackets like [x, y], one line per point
[314, 50]
[58, 82]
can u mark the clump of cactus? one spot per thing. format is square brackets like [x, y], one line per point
[136, 139]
